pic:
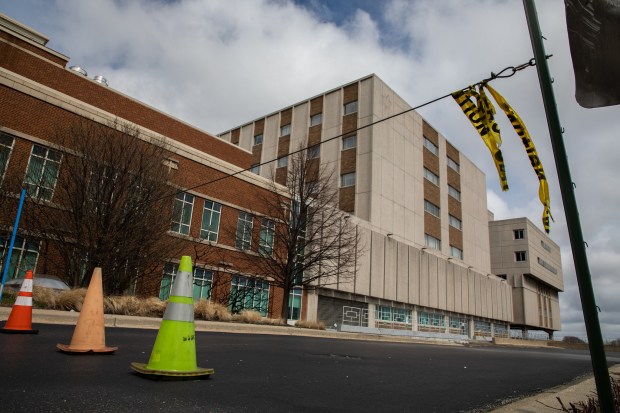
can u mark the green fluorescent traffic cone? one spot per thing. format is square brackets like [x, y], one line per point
[174, 352]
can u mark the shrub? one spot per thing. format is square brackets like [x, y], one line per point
[70, 300]
[316, 325]
[206, 310]
[249, 317]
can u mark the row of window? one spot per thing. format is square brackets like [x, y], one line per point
[246, 293]
[452, 164]
[42, 169]
[435, 243]
[435, 211]
[315, 119]
[433, 178]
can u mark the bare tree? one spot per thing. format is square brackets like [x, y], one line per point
[102, 199]
[304, 238]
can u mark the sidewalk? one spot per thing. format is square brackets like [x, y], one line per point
[576, 391]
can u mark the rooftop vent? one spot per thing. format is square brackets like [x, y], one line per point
[79, 70]
[101, 79]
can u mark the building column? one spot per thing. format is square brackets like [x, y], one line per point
[312, 306]
[371, 315]
[492, 329]
[446, 323]
[414, 320]
[472, 329]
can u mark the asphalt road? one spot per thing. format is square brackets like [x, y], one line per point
[265, 373]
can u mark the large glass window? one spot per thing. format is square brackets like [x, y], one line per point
[349, 142]
[210, 220]
[285, 130]
[294, 303]
[249, 294]
[431, 176]
[456, 252]
[282, 162]
[316, 119]
[432, 242]
[347, 180]
[431, 146]
[267, 232]
[23, 258]
[42, 172]
[453, 165]
[392, 314]
[350, 107]
[203, 281]
[245, 222]
[454, 193]
[455, 222]
[182, 213]
[431, 208]
[6, 146]
[433, 322]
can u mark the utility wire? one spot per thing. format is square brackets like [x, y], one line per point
[504, 73]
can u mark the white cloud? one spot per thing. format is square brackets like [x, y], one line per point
[218, 64]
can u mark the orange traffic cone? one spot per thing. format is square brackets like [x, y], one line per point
[89, 334]
[20, 319]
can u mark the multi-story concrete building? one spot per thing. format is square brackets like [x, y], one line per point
[530, 262]
[420, 203]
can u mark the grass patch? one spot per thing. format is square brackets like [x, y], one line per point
[591, 405]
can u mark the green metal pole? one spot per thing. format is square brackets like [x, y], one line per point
[580, 259]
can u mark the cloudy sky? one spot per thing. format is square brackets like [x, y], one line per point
[217, 64]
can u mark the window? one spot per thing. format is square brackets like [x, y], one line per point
[258, 139]
[453, 165]
[349, 142]
[285, 130]
[431, 208]
[392, 314]
[546, 265]
[248, 294]
[182, 213]
[210, 220]
[431, 176]
[255, 169]
[432, 242]
[314, 152]
[350, 107]
[482, 328]
[202, 280]
[23, 258]
[294, 303]
[545, 246]
[456, 252]
[455, 222]
[347, 180]
[267, 232]
[42, 172]
[431, 319]
[454, 193]
[520, 256]
[282, 162]
[6, 146]
[245, 223]
[431, 146]
[316, 119]
[519, 233]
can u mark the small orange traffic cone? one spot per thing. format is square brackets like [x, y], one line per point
[20, 319]
[89, 334]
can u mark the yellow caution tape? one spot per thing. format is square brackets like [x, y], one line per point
[481, 116]
[519, 126]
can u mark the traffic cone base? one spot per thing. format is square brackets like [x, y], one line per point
[20, 319]
[174, 351]
[68, 349]
[89, 334]
[142, 368]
